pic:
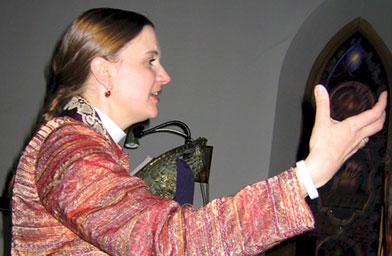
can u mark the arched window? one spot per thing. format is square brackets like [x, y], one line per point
[352, 211]
[351, 214]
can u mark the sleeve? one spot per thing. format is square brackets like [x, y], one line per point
[85, 187]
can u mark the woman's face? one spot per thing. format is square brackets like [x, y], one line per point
[137, 78]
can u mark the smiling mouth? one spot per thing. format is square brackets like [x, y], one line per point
[157, 93]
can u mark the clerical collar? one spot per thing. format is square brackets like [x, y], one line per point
[114, 131]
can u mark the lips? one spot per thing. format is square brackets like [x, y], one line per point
[156, 95]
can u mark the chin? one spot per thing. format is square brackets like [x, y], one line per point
[153, 114]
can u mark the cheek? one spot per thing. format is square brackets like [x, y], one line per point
[133, 95]
[129, 95]
[135, 84]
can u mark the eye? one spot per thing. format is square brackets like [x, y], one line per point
[151, 61]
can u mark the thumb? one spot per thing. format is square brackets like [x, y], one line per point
[322, 104]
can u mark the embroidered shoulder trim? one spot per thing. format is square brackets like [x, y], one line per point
[87, 113]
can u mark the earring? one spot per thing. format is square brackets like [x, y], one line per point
[107, 94]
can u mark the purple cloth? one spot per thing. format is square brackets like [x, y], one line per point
[185, 184]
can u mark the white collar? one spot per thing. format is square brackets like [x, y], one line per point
[115, 132]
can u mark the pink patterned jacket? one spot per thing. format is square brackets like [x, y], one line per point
[73, 196]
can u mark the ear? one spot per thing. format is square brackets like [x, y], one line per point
[100, 69]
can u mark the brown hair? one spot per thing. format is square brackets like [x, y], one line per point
[96, 33]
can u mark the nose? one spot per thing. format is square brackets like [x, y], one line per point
[163, 77]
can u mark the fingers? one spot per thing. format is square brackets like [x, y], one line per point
[322, 104]
[373, 127]
[368, 122]
[333, 142]
[363, 142]
[374, 115]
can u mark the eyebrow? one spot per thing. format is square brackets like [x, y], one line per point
[153, 52]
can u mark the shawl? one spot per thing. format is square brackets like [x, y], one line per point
[73, 196]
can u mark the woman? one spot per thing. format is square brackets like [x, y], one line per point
[73, 195]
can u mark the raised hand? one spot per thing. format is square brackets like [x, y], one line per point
[333, 142]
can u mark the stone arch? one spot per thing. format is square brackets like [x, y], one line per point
[353, 85]
[333, 228]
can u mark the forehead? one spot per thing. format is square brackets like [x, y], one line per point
[144, 43]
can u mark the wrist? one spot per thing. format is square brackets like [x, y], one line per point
[306, 181]
[300, 183]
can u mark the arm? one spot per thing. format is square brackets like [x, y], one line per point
[93, 196]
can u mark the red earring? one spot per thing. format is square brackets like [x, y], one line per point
[107, 94]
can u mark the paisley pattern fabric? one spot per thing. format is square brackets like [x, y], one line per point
[73, 196]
